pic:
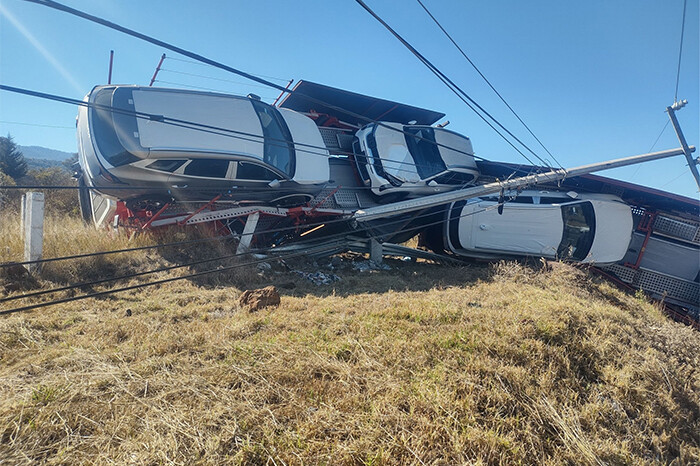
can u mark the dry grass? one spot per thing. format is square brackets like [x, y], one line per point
[423, 364]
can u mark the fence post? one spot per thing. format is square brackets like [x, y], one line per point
[33, 227]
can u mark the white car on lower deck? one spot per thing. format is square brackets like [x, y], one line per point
[588, 228]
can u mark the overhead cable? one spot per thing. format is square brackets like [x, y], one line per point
[454, 87]
[487, 81]
[195, 56]
[680, 51]
[227, 132]
[307, 252]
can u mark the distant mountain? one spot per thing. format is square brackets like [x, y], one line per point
[40, 164]
[37, 152]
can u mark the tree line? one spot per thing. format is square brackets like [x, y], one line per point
[14, 170]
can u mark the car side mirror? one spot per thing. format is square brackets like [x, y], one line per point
[274, 184]
[432, 183]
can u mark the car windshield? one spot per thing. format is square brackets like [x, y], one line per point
[104, 129]
[423, 147]
[277, 152]
[579, 230]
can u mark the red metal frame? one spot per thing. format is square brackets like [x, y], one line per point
[155, 73]
[282, 92]
[111, 61]
[148, 223]
[646, 225]
[183, 221]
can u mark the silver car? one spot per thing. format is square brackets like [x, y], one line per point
[195, 145]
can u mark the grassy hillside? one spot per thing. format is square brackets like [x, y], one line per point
[421, 364]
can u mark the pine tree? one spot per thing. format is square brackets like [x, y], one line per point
[12, 161]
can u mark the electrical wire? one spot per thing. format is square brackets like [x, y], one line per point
[454, 87]
[200, 58]
[486, 80]
[37, 125]
[190, 86]
[680, 51]
[157, 282]
[207, 64]
[114, 251]
[674, 179]
[213, 79]
[176, 243]
[259, 139]
[636, 170]
[220, 269]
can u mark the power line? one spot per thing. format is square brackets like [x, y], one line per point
[636, 170]
[260, 139]
[453, 87]
[115, 251]
[207, 64]
[176, 243]
[173, 83]
[674, 179]
[213, 78]
[36, 124]
[157, 282]
[487, 81]
[200, 58]
[320, 248]
[680, 51]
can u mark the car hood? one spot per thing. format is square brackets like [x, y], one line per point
[613, 232]
[462, 157]
[311, 162]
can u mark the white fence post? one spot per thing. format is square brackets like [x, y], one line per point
[33, 227]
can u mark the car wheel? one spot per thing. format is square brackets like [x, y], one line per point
[84, 200]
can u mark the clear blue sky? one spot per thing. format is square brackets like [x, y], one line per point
[592, 79]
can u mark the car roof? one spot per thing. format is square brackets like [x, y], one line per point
[222, 119]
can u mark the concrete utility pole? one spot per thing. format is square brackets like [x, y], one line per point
[33, 227]
[692, 163]
[435, 200]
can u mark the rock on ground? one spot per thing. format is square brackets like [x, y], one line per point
[254, 300]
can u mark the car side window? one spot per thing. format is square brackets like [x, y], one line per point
[209, 168]
[253, 171]
[166, 165]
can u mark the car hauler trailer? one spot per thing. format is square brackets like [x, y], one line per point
[665, 225]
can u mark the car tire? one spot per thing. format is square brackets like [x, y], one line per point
[84, 200]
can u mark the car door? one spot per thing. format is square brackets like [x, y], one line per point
[522, 229]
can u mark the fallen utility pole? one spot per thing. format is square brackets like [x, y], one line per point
[692, 163]
[434, 200]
